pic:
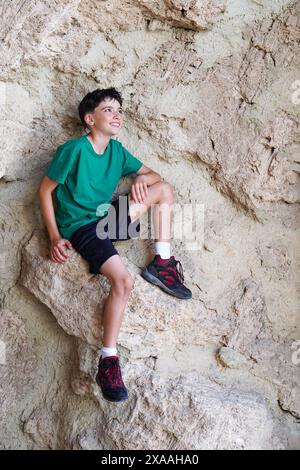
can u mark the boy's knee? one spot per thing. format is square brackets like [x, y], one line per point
[123, 285]
[167, 191]
[128, 282]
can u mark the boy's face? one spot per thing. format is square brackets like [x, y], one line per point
[106, 118]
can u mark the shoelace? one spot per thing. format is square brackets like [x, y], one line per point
[179, 271]
[113, 372]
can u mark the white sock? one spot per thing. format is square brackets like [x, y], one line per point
[105, 352]
[163, 249]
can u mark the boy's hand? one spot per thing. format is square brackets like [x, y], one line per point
[139, 189]
[58, 250]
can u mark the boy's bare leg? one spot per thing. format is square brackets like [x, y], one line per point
[170, 279]
[161, 197]
[121, 285]
[161, 194]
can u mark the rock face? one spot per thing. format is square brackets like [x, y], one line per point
[211, 98]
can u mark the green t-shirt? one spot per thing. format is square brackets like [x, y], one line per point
[87, 179]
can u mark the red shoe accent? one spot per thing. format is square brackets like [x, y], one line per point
[168, 275]
[110, 373]
[171, 274]
[160, 260]
[109, 378]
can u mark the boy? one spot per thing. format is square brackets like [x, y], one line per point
[83, 176]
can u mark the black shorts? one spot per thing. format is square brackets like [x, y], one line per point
[94, 240]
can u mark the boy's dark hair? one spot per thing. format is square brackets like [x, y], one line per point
[94, 98]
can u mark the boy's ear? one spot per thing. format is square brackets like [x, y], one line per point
[86, 127]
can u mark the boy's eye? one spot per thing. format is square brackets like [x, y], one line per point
[109, 109]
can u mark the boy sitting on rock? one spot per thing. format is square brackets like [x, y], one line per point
[83, 176]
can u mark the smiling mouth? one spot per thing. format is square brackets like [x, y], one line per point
[115, 124]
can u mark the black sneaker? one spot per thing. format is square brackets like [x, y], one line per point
[166, 275]
[109, 379]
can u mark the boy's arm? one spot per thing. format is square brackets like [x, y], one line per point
[145, 177]
[58, 244]
[45, 191]
[148, 176]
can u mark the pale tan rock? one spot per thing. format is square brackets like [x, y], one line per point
[189, 14]
[246, 150]
[79, 312]
[230, 358]
[275, 361]
[163, 416]
[17, 361]
[148, 327]
[77, 299]
[289, 400]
